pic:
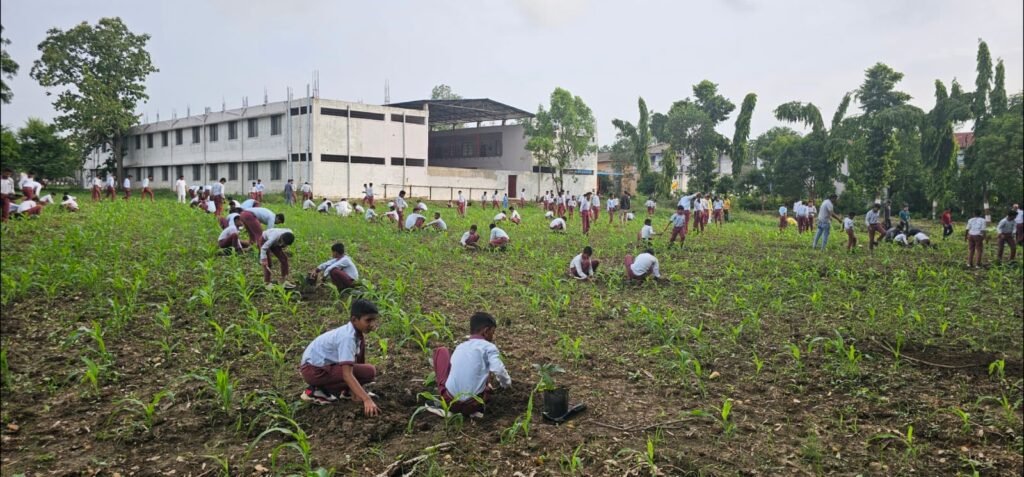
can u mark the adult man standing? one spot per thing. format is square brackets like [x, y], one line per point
[825, 216]
[289, 193]
[218, 196]
[686, 202]
[180, 187]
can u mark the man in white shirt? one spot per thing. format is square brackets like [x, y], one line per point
[975, 234]
[462, 376]
[69, 203]
[334, 364]
[558, 225]
[6, 192]
[1005, 229]
[871, 219]
[307, 191]
[825, 221]
[340, 269]
[400, 206]
[127, 186]
[146, 190]
[585, 215]
[414, 221]
[686, 202]
[180, 188]
[437, 223]
[217, 193]
[498, 237]
[583, 266]
[461, 204]
[273, 242]
[643, 266]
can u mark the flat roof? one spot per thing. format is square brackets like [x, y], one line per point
[458, 111]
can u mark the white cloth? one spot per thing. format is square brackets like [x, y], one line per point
[472, 362]
[410, 221]
[644, 263]
[25, 205]
[920, 237]
[558, 222]
[338, 346]
[976, 226]
[344, 263]
[499, 217]
[370, 214]
[7, 186]
[782, 211]
[145, 182]
[497, 233]
[647, 232]
[847, 224]
[271, 238]
[308, 204]
[127, 184]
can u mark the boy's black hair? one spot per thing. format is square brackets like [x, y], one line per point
[511, 207]
[235, 210]
[401, 194]
[472, 227]
[338, 248]
[221, 179]
[876, 205]
[832, 197]
[361, 308]
[1010, 213]
[587, 250]
[279, 219]
[647, 221]
[481, 321]
[492, 226]
[650, 251]
[850, 214]
[288, 238]
[437, 215]
[977, 212]
[679, 207]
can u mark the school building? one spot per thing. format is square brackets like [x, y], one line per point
[430, 148]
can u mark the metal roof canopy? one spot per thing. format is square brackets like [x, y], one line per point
[458, 111]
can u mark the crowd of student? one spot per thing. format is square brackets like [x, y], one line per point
[25, 200]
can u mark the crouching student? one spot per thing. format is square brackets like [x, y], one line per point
[643, 266]
[437, 223]
[558, 225]
[274, 241]
[414, 221]
[646, 233]
[499, 238]
[470, 238]
[515, 218]
[462, 376]
[340, 269]
[228, 240]
[69, 203]
[392, 214]
[334, 364]
[923, 240]
[370, 215]
[582, 266]
[325, 206]
[27, 208]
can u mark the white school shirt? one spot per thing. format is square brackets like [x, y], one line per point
[264, 215]
[194, 201]
[110, 181]
[400, 204]
[324, 206]
[644, 263]
[630, 216]
[920, 237]
[46, 199]
[127, 184]
[344, 263]
[7, 186]
[577, 265]
[359, 209]
[260, 187]
[976, 226]
[812, 210]
[847, 224]
[25, 205]
[410, 221]
[439, 223]
[595, 201]
[799, 209]
[678, 220]
[22, 179]
[901, 238]
[497, 233]
[370, 214]
[211, 207]
[584, 205]
[369, 191]
[308, 204]
[559, 200]
[555, 223]
[647, 231]
[338, 346]
[500, 216]
[422, 206]
[472, 362]
[344, 208]
[515, 214]
[306, 188]
[96, 182]
[782, 211]
[611, 204]
[247, 204]
[230, 229]
[71, 202]
[483, 198]
[871, 217]
[1020, 217]
[465, 237]
[461, 199]
[719, 205]
[270, 238]
[827, 209]
[216, 191]
[1005, 226]
[391, 213]
[549, 214]
[180, 186]
[700, 206]
[649, 204]
[686, 201]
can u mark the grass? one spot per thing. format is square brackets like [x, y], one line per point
[106, 309]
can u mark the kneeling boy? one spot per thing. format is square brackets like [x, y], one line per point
[340, 269]
[334, 364]
[462, 376]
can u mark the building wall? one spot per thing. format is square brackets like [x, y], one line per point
[513, 157]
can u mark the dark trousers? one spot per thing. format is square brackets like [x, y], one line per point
[282, 257]
[330, 377]
[442, 368]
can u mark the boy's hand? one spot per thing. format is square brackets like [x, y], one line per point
[370, 408]
[265, 263]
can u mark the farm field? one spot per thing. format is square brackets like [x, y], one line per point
[130, 347]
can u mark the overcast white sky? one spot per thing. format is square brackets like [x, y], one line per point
[518, 51]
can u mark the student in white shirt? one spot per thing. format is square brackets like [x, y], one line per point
[368, 194]
[437, 223]
[306, 204]
[585, 214]
[462, 376]
[343, 208]
[583, 266]
[307, 191]
[461, 204]
[1018, 222]
[259, 189]
[975, 235]
[500, 216]
[28, 207]
[228, 240]
[558, 225]
[97, 187]
[1005, 229]
[7, 193]
[392, 215]
[718, 207]
[483, 200]
[698, 214]
[851, 238]
[646, 233]
[470, 238]
[650, 205]
[414, 221]
[549, 215]
[400, 206]
[643, 266]
[359, 209]
[800, 213]
[324, 206]
[274, 242]
[217, 195]
[498, 237]
[612, 204]
[570, 206]
[334, 364]
[111, 185]
[871, 220]
[494, 199]
[253, 217]
[901, 239]
[515, 218]
[180, 188]
[595, 205]
[340, 269]
[678, 222]
[370, 214]
[146, 190]
[923, 240]
[30, 188]
[127, 187]
[69, 203]
[421, 206]
[783, 222]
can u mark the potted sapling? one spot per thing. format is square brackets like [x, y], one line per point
[556, 398]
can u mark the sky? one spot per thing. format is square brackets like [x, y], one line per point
[517, 52]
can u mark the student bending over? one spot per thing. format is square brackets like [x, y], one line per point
[462, 376]
[334, 364]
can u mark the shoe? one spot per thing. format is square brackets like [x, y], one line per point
[269, 286]
[288, 285]
[315, 396]
[476, 415]
[435, 409]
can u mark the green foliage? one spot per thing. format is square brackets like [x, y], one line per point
[740, 147]
[982, 84]
[42, 151]
[559, 137]
[638, 137]
[8, 68]
[100, 71]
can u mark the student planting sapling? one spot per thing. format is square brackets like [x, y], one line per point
[462, 376]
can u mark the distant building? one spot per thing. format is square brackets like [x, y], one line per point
[964, 140]
[656, 154]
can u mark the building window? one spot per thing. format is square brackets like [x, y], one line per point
[232, 130]
[275, 170]
[213, 132]
[163, 173]
[149, 172]
[163, 139]
[253, 127]
[232, 172]
[179, 136]
[138, 142]
[196, 171]
[275, 124]
[149, 140]
[213, 172]
[254, 171]
[179, 171]
[195, 134]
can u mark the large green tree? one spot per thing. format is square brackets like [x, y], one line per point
[639, 137]
[10, 156]
[822, 150]
[998, 152]
[982, 83]
[44, 152]
[8, 68]
[100, 71]
[690, 129]
[560, 136]
[741, 135]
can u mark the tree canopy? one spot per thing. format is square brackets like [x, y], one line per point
[560, 136]
[8, 68]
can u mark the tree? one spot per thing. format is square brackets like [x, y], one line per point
[101, 71]
[10, 156]
[742, 134]
[982, 83]
[8, 68]
[639, 137]
[443, 91]
[823, 150]
[997, 98]
[690, 129]
[997, 155]
[562, 135]
[44, 152]
[658, 122]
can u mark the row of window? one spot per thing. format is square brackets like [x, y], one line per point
[212, 130]
[216, 171]
[458, 147]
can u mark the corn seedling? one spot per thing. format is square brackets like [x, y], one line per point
[299, 443]
[223, 465]
[758, 364]
[145, 411]
[5, 371]
[222, 388]
[452, 420]
[572, 464]
[423, 339]
[997, 368]
[521, 424]
[965, 419]
[724, 412]
[907, 439]
[571, 348]
[91, 376]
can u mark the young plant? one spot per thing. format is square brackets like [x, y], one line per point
[572, 349]
[724, 414]
[571, 464]
[92, 373]
[997, 368]
[222, 387]
[145, 411]
[965, 419]
[298, 441]
[758, 364]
